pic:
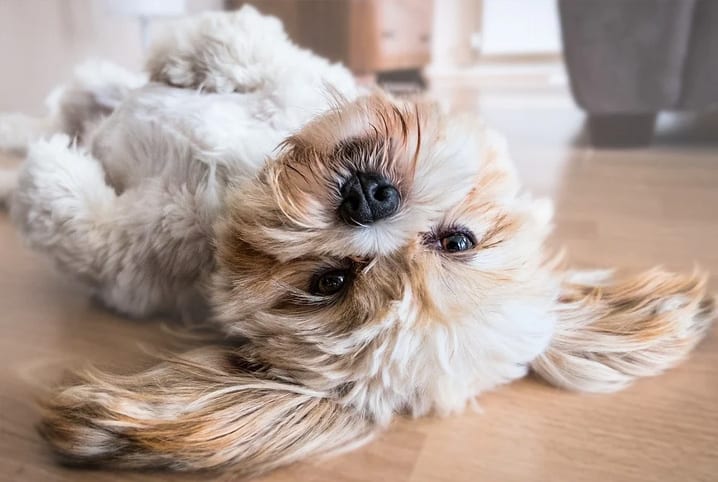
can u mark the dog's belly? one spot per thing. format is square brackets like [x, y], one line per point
[182, 135]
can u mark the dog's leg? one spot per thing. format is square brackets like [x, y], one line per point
[138, 251]
[242, 51]
[61, 193]
[228, 52]
[198, 411]
[610, 332]
[94, 91]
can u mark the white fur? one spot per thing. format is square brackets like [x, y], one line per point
[244, 52]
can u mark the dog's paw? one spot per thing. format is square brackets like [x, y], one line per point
[57, 186]
[218, 52]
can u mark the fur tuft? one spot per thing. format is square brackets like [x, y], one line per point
[610, 332]
[199, 411]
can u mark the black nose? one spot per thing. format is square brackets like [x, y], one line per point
[367, 198]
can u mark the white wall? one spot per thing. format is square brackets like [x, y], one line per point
[41, 41]
[520, 27]
[455, 23]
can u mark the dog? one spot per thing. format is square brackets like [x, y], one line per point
[382, 261]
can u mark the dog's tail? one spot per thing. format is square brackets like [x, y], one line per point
[611, 331]
[198, 411]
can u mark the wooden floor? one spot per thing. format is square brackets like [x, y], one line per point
[629, 209]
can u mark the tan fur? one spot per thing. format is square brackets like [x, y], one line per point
[612, 331]
[197, 412]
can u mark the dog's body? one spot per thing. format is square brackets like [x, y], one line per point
[140, 197]
[383, 261]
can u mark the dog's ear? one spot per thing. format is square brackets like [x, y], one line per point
[197, 412]
[610, 332]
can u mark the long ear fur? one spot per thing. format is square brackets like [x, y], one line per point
[197, 412]
[610, 332]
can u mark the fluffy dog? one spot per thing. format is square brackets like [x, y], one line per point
[381, 261]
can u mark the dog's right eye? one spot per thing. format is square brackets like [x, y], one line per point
[456, 242]
[329, 282]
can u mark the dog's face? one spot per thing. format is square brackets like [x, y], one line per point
[379, 217]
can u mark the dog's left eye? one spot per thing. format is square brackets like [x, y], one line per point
[329, 282]
[456, 242]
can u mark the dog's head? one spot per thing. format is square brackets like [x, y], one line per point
[381, 218]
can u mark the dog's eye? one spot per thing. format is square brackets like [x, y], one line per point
[329, 282]
[456, 242]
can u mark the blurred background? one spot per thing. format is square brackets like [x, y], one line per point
[625, 61]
